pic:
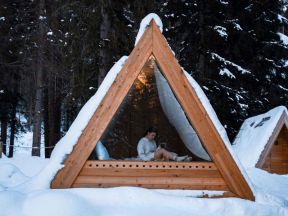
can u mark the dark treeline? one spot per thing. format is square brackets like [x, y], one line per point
[54, 55]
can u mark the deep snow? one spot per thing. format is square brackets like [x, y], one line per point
[271, 196]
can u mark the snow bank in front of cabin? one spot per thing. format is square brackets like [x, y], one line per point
[65, 146]
[16, 171]
[126, 201]
[271, 198]
[10, 176]
[190, 193]
[145, 23]
[270, 188]
[25, 162]
[254, 134]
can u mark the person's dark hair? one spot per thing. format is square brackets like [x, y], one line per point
[150, 130]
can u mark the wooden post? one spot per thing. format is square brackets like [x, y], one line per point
[1, 148]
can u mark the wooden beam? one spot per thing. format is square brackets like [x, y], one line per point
[105, 112]
[181, 175]
[193, 183]
[137, 172]
[127, 164]
[197, 115]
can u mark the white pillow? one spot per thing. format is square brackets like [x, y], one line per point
[101, 152]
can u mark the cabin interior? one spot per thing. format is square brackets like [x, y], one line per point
[140, 110]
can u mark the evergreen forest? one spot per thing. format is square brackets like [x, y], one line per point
[55, 54]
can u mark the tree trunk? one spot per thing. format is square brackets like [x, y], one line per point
[66, 121]
[57, 119]
[13, 128]
[104, 31]
[51, 111]
[39, 84]
[201, 62]
[46, 118]
[4, 126]
[52, 116]
[52, 93]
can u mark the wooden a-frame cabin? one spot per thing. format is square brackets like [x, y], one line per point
[268, 148]
[222, 174]
[274, 158]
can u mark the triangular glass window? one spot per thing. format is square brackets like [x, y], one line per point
[150, 102]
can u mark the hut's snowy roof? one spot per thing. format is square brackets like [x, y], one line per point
[66, 144]
[254, 134]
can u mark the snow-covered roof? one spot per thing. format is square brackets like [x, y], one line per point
[255, 133]
[65, 146]
[145, 23]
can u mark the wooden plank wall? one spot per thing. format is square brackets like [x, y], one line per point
[277, 159]
[181, 175]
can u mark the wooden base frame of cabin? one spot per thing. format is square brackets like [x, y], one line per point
[149, 174]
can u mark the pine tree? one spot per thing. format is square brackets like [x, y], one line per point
[12, 37]
[256, 46]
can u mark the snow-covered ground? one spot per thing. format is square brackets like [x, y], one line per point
[16, 199]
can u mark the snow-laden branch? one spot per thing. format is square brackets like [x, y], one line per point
[226, 62]
[283, 38]
[222, 31]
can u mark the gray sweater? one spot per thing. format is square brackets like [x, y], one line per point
[146, 149]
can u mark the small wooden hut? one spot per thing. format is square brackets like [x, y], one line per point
[221, 173]
[262, 141]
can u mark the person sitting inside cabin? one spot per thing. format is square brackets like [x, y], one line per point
[148, 150]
